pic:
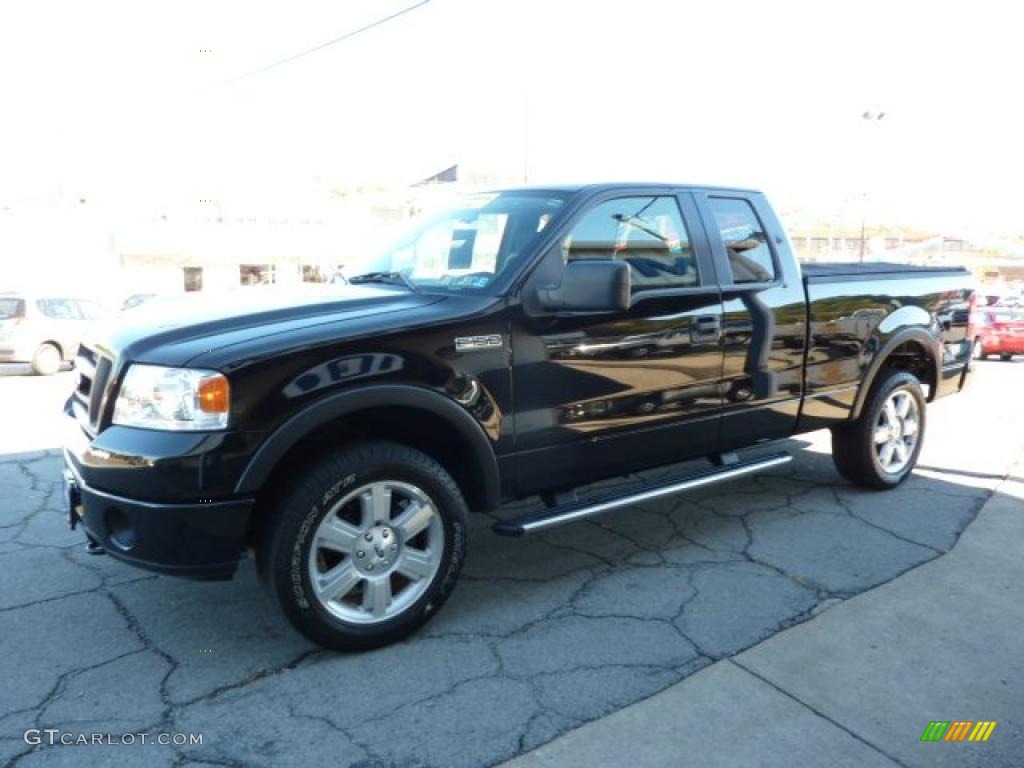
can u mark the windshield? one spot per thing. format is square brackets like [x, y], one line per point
[11, 308]
[467, 247]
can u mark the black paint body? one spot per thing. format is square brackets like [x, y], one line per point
[563, 400]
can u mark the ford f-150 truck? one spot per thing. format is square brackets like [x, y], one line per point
[522, 343]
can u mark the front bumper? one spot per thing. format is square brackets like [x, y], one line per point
[181, 525]
[199, 541]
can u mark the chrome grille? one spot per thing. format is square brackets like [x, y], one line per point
[93, 373]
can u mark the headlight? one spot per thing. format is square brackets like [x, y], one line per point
[173, 398]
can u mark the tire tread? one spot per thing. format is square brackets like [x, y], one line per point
[852, 442]
[294, 506]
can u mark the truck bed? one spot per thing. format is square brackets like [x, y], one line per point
[853, 309]
[835, 271]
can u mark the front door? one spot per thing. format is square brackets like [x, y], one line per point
[602, 393]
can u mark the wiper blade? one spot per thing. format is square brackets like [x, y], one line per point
[388, 278]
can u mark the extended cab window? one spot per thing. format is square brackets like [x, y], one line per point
[746, 244]
[646, 232]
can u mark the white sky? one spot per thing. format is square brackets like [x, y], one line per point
[114, 100]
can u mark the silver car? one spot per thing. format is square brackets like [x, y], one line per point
[44, 330]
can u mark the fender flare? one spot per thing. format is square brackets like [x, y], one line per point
[301, 424]
[917, 334]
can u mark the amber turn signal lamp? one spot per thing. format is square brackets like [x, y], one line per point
[214, 394]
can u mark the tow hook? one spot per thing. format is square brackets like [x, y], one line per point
[93, 547]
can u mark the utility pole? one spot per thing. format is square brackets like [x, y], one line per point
[872, 117]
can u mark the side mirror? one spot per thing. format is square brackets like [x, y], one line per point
[596, 285]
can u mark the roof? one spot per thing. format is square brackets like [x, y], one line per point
[611, 186]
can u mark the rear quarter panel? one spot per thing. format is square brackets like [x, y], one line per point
[853, 322]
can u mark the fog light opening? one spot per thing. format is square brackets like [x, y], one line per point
[120, 531]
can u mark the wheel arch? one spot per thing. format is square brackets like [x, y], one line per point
[52, 343]
[912, 349]
[409, 414]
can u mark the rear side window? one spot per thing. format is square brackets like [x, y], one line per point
[746, 244]
[11, 308]
[648, 233]
[59, 309]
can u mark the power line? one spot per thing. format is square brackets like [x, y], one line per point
[336, 40]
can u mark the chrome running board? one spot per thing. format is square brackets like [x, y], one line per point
[578, 510]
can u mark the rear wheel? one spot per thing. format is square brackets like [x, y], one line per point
[366, 546]
[879, 449]
[978, 350]
[46, 360]
[1004, 358]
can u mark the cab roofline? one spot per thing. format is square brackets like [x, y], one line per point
[612, 186]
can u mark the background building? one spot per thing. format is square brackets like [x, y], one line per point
[77, 243]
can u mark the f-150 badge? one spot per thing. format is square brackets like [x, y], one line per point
[466, 343]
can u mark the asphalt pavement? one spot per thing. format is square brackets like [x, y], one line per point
[859, 686]
[542, 636]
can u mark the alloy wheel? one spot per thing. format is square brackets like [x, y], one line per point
[376, 552]
[896, 431]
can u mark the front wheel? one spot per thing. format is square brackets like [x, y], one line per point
[879, 449]
[366, 546]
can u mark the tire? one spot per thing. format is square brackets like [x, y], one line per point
[1006, 358]
[46, 361]
[363, 507]
[978, 350]
[865, 460]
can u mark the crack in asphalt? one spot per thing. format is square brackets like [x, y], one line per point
[54, 694]
[849, 510]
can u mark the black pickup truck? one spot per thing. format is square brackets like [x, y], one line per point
[524, 342]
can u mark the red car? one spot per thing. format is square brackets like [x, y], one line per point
[999, 331]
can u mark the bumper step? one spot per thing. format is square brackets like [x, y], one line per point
[577, 510]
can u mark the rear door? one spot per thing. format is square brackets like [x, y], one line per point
[764, 310]
[600, 393]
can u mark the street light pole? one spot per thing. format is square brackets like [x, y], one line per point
[863, 222]
[870, 117]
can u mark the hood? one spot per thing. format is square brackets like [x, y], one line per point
[175, 330]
